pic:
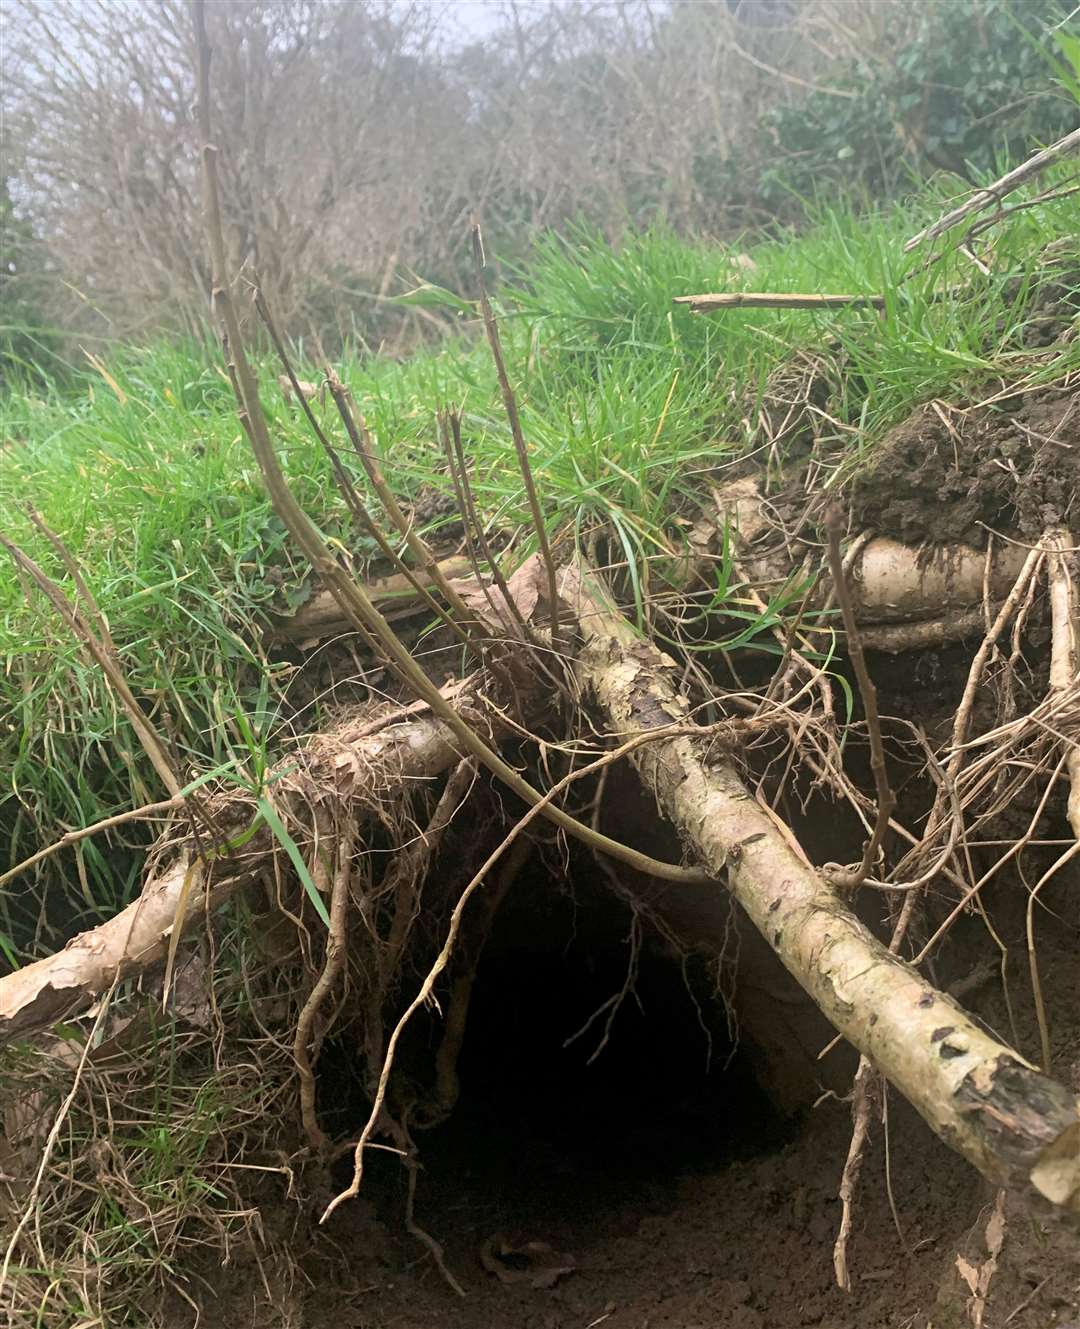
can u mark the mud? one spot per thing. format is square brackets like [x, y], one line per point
[945, 475]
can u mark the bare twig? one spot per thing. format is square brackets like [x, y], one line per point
[491, 327]
[75, 573]
[712, 302]
[84, 832]
[447, 1086]
[344, 480]
[414, 1229]
[357, 430]
[354, 601]
[104, 658]
[993, 194]
[450, 430]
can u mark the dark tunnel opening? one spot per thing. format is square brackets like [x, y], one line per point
[574, 1098]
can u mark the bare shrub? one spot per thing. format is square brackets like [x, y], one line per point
[354, 143]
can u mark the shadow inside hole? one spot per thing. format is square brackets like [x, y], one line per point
[549, 1124]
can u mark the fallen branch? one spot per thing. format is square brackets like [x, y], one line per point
[988, 195]
[710, 302]
[395, 595]
[1012, 1123]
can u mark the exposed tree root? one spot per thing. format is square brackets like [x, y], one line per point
[1012, 1123]
[1065, 657]
[891, 583]
[307, 1040]
[360, 762]
[447, 1085]
[862, 1102]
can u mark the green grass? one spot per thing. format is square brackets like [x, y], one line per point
[625, 400]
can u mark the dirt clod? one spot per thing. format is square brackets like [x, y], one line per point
[946, 474]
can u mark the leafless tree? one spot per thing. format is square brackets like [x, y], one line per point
[354, 143]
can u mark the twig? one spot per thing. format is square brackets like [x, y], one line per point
[886, 800]
[447, 1086]
[867, 1081]
[711, 302]
[1015, 848]
[967, 700]
[357, 430]
[83, 832]
[344, 480]
[75, 573]
[1033, 958]
[353, 599]
[491, 327]
[414, 1229]
[103, 657]
[516, 622]
[402, 878]
[990, 194]
[450, 432]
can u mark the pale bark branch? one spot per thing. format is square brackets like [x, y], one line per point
[1012, 1123]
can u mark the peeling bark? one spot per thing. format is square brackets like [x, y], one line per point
[1014, 1124]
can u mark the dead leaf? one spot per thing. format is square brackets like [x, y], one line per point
[532, 1262]
[978, 1278]
[526, 586]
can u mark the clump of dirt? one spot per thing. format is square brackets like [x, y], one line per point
[946, 474]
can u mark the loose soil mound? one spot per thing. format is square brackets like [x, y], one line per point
[946, 475]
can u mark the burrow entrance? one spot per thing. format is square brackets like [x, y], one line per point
[600, 1068]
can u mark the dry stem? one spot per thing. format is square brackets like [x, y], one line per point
[354, 601]
[103, 657]
[989, 195]
[491, 327]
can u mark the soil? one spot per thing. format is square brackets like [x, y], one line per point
[1010, 466]
[666, 1183]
